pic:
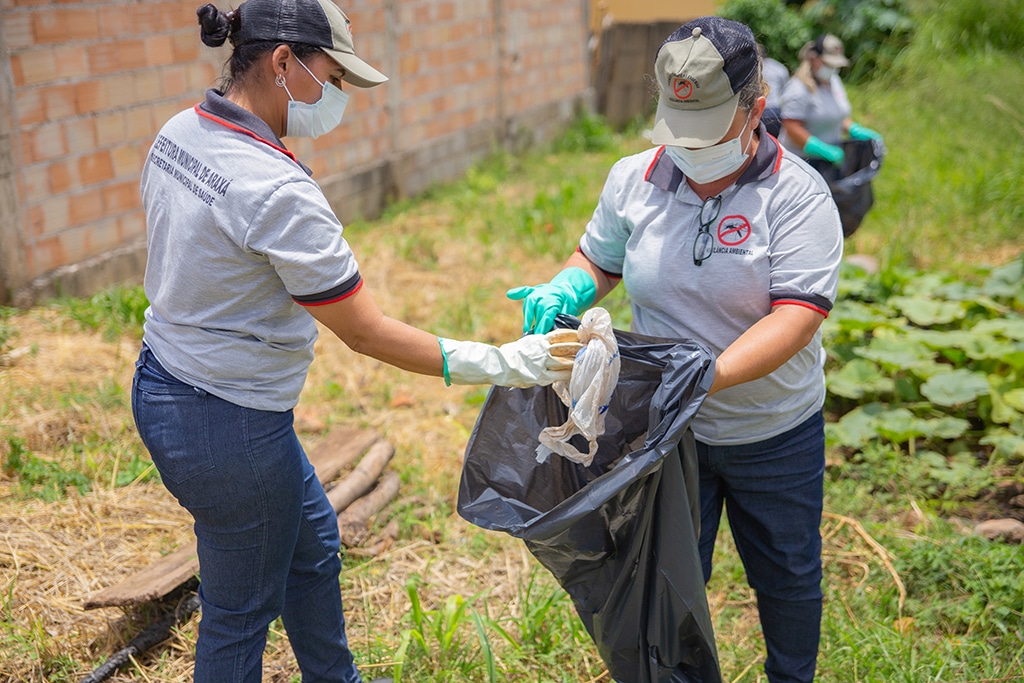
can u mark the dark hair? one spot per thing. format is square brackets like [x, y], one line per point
[216, 27]
[752, 89]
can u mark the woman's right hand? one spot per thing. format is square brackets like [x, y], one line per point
[571, 291]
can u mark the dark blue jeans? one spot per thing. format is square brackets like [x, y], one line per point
[773, 492]
[268, 537]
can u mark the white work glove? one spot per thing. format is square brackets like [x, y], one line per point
[526, 362]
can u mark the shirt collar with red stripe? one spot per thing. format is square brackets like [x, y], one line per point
[663, 172]
[221, 110]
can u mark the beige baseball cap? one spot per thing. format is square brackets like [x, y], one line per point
[313, 22]
[700, 70]
[830, 49]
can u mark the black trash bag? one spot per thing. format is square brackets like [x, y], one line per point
[620, 536]
[851, 182]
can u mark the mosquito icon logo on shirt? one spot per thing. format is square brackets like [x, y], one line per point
[733, 230]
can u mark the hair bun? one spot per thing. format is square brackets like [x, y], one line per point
[215, 25]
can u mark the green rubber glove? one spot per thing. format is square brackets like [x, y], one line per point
[831, 153]
[859, 132]
[571, 291]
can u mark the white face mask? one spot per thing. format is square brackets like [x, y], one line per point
[709, 164]
[824, 74]
[313, 120]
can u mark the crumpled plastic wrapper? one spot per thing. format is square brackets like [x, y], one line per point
[588, 391]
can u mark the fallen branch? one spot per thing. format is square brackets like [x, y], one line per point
[154, 634]
[361, 480]
[353, 522]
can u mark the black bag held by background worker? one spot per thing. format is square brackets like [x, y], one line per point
[851, 182]
[620, 536]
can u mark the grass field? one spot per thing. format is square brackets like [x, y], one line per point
[909, 595]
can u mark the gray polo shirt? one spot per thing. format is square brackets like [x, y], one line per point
[776, 75]
[240, 239]
[777, 240]
[822, 111]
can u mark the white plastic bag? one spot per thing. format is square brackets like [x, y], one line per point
[588, 392]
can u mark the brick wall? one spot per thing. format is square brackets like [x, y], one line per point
[84, 86]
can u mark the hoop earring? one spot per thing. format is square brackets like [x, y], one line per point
[279, 81]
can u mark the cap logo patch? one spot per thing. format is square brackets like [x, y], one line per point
[682, 87]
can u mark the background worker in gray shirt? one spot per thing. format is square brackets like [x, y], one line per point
[245, 254]
[775, 75]
[722, 236]
[816, 113]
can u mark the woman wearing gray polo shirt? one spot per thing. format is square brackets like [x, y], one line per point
[721, 235]
[245, 255]
[816, 114]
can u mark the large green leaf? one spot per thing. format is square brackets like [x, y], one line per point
[928, 312]
[856, 428]
[855, 315]
[899, 425]
[896, 353]
[1009, 327]
[1016, 359]
[857, 378]
[1015, 399]
[955, 388]
[1003, 412]
[929, 369]
[926, 284]
[949, 427]
[942, 339]
[1006, 281]
[1006, 443]
[989, 348]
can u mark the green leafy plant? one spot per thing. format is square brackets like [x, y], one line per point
[983, 584]
[438, 636]
[41, 478]
[959, 27]
[874, 33]
[113, 311]
[588, 133]
[927, 369]
[8, 332]
[781, 29]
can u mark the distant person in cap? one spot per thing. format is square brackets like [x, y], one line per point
[245, 255]
[720, 235]
[816, 114]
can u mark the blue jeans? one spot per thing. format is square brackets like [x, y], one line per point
[773, 493]
[268, 537]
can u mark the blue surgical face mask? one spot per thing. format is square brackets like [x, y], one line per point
[313, 120]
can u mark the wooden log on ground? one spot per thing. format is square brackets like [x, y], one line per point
[152, 583]
[337, 451]
[361, 480]
[353, 522]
